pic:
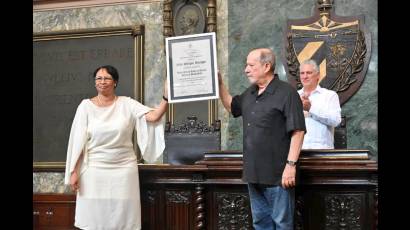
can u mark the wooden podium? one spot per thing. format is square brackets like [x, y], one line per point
[337, 189]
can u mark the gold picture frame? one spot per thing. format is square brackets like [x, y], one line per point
[50, 45]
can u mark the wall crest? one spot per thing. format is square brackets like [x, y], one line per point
[341, 46]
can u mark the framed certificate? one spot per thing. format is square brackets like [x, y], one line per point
[192, 68]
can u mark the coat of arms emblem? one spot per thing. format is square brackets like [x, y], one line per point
[340, 45]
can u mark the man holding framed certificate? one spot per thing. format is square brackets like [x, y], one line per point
[192, 68]
[273, 131]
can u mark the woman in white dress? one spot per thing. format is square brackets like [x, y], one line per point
[101, 164]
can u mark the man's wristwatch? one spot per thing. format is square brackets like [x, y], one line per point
[291, 163]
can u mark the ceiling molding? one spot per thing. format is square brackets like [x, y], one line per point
[44, 5]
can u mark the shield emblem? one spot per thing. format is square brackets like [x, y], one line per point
[341, 46]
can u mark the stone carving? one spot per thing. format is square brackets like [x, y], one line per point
[211, 17]
[189, 18]
[183, 17]
[167, 18]
[340, 45]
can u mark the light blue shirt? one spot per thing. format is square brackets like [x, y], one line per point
[322, 118]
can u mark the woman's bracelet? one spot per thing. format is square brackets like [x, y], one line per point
[163, 97]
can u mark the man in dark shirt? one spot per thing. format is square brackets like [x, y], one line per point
[273, 130]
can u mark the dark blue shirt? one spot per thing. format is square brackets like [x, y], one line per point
[269, 120]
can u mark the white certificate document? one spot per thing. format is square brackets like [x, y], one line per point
[192, 68]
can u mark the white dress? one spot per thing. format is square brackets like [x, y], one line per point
[109, 195]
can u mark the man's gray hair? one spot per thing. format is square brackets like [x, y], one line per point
[312, 63]
[267, 56]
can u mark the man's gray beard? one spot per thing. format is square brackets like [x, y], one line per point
[251, 81]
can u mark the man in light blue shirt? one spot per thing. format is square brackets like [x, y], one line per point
[321, 108]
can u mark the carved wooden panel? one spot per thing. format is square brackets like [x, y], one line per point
[151, 196]
[151, 204]
[197, 137]
[178, 197]
[53, 211]
[343, 212]
[233, 210]
[178, 210]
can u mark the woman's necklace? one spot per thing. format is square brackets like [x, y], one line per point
[99, 101]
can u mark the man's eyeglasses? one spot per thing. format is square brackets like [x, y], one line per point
[103, 78]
